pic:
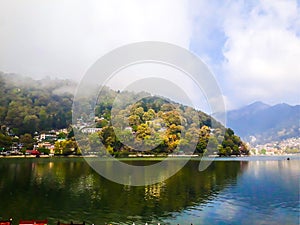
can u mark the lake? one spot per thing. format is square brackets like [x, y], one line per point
[253, 190]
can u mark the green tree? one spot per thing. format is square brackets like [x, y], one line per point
[5, 141]
[94, 142]
[149, 115]
[31, 123]
[27, 141]
[134, 121]
[65, 147]
[263, 151]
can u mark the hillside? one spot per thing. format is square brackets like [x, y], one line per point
[262, 123]
[28, 105]
[153, 124]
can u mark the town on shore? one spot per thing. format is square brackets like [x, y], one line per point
[62, 143]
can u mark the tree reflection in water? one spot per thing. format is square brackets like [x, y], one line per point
[68, 189]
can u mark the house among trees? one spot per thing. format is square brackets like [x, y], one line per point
[48, 136]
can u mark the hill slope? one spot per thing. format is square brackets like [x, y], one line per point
[30, 106]
[262, 123]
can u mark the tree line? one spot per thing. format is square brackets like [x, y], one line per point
[27, 108]
[153, 125]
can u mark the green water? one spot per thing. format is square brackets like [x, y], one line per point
[228, 192]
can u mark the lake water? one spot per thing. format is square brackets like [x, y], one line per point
[253, 191]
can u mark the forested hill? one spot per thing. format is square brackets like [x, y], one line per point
[29, 106]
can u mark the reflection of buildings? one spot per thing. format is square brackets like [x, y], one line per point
[277, 167]
[48, 173]
[58, 175]
[243, 166]
[154, 190]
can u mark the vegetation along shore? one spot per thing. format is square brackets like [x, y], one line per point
[36, 119]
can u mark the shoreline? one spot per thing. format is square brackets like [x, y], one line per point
[160, 158]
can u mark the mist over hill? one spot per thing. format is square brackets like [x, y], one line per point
[28, 105]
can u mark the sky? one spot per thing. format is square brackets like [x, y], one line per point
[252, 47]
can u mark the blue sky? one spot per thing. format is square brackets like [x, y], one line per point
[252, 47]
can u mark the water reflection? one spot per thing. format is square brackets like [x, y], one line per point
[266, 193]
[68, 189]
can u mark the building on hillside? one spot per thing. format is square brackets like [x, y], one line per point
[47, 137]
[90, 130]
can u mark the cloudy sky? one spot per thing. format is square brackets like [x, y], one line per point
[252, 47]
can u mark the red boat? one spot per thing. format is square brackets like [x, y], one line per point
[6, 222]
[33, 222]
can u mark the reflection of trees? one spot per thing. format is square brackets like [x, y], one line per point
[51, 188]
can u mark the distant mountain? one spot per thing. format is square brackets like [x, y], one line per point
[262, 123]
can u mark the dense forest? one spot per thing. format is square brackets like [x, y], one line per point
[153, 125]
[27, 105]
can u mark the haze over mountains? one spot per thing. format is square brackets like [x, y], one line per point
[261, 123]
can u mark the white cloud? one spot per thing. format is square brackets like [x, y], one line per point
[63, 38]
[252, 46]
[262, 52]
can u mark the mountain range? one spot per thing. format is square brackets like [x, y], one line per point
[261, 123]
